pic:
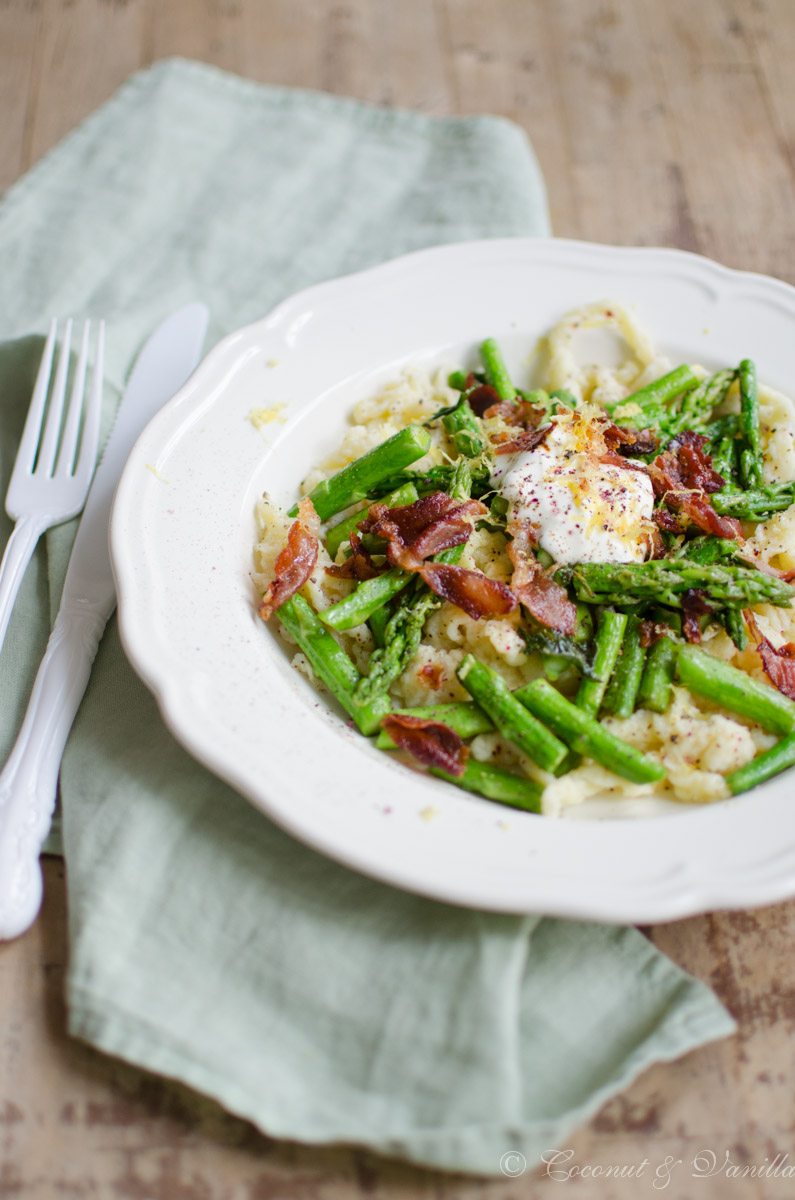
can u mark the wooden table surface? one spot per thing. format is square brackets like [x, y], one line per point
[656, 122]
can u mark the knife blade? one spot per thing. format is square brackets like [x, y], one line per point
[29, 780]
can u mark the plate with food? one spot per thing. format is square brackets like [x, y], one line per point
[475, 572]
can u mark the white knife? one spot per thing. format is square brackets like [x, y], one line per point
[29, 781]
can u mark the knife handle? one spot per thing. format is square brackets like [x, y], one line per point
[29, 781]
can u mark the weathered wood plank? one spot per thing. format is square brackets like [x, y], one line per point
[87, 49]
[504, 59]
[736, 183]
[20, 31]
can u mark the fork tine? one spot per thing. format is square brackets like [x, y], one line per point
[71, 429]
[88, 446]
[30, 434]
[52, 427]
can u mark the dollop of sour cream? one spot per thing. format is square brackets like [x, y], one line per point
[582, 510]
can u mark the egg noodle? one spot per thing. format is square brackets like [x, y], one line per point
[694, 740]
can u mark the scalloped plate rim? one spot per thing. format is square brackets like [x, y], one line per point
[685, 886]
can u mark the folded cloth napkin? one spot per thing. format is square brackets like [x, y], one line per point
[206, 944]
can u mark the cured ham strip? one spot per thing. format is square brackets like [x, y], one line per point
[517, 412]
[543, 598]
[683, 476]
[407, 521]
[431, 742]
[296, 561]
[482, 398]
[433, 523]
[779, 665]
[526, 441]
[667, 520]
[359, 566]
[651, 632]
[637, 441]
[472, 591]
[606, 440]
[452, 529]
[694, 606]
[430, 524]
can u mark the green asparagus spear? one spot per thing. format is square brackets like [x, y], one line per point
[403, 631]
[488, 689]
[330, 663]
[757, 504]
[609, 636]
[402, 637]
[585, 735]
[726, 426]
[699, 402]
[751, 458]
[724, 460]
[622, 690]
[435, 479]
[776, 759]
[463, 429]
[495, 783]
[340, 532]
[707, 549]
[360, 605]
[731, 688]
[732, 621]
[463, 717]
[496, 370]
[660, 391]
[354, 482]
[560, 650]
[657, 680]
[666, 580]
[378, 622]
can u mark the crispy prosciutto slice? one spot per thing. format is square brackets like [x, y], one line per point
[694, 606]
[477, 594]
[522, 413]
[430, 742]
[296, 561]
[528, 440]
[629, 441]
[482, 398]
[779, 664]
[415, 531]
[359, 566]
[544, 599]
[683, 477]
[433, 523]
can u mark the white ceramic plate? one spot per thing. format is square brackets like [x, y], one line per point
[182, 535]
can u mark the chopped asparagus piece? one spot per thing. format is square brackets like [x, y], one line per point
[609, 636]
[353, 482]
[769, 763]
[330, 662]
[731, 688]
[495, 783]
[496, 370]
[488, 689]
[584, 734]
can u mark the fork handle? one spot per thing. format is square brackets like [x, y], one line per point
[16, 556]
[29, 780]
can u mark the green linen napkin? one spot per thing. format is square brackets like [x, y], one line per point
[206, 944]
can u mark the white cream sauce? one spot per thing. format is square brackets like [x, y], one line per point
[582, 510]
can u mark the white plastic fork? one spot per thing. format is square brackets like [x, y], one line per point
[51, 477]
